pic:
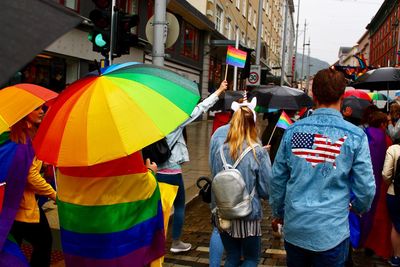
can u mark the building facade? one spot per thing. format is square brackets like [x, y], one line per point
[384, 35]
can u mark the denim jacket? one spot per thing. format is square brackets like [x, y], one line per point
[179, 152]
[310, 186]
[256, 173]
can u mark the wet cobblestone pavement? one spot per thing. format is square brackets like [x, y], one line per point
[197, 231]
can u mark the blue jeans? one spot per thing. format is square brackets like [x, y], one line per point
[216, 248]
[300, 257]
[249, 248]
[179, 202]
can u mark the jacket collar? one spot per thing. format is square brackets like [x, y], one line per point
[327, 111]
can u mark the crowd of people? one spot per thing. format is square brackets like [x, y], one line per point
[328, 181]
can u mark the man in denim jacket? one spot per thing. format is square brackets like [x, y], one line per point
[310, 186]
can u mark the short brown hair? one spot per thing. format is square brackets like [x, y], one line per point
[328, 86]
[377, 118]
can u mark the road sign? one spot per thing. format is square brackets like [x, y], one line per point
[254, 76]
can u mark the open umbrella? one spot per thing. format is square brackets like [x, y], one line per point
[358, 105]
[108, 116]
[28, 27]
[379, 79]
[358, 94]
[378, 96]
[19, 100]
[225, 100]
[281, 97]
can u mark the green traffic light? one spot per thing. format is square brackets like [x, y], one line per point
[99, 41]
[90, 37]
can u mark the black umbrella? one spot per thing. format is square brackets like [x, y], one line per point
[281, 97]
[28, 27]
[379, 79]
[358, 105]
[225, 101]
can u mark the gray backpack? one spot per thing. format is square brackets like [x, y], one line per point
[231, 196]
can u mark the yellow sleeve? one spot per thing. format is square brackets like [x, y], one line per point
[37, 183]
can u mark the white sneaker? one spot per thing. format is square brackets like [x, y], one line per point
[179, 246]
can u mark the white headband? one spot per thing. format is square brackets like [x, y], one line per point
[252, 105]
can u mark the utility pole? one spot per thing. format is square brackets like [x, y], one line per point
[283, 65]
[302, 57]
[160, 32]
[308, 66]
[112, 33]
[295, 45]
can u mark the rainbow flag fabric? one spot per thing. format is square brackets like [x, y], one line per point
[236, 57]
[110, 214]
[284, 121]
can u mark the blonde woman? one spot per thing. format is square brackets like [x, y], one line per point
[243, 238]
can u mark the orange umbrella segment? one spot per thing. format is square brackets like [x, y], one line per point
[19, 100]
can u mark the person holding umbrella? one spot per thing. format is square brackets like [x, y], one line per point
[22, 218]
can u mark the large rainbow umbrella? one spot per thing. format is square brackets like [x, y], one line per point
[19, 100]
[110, 115]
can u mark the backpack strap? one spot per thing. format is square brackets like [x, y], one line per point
[226, 165]
[247, 150]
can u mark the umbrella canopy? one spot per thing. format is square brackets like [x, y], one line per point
[358, 105]
[379, 79]
[19, 100]
[225, 100]
[108, 116]
[358, 94]
[378, 96]
[281, 97]
[28, 27]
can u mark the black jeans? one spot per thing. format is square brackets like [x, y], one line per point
[39, 236]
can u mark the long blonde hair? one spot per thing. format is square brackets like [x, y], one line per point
[243, 128]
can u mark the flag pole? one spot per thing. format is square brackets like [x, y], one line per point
[272, 134]
[226, 71]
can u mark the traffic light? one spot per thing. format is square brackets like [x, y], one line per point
[101, 18]
[124, 36]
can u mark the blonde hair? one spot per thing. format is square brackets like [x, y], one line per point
[243, 128]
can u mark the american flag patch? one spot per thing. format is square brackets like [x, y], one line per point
[316, 148]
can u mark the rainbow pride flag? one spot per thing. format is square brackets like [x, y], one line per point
[110, 214]
[284, 121]
[236, 57]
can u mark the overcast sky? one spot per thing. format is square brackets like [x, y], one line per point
[333, 23]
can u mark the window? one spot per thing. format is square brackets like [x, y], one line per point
[250, 12]
[229, 28]
[238, 4]
[262, 31]
[254, 19]
[244, 10]
[190, 41]
[218, 18]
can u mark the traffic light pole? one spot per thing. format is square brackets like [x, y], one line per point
[112, 32]
[160, 32]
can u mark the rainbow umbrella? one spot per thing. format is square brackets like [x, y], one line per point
[19, 100]
[378, 96]
[110, 115]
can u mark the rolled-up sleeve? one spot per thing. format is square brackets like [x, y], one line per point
[363, 182]
[37, 183]
[280, 177]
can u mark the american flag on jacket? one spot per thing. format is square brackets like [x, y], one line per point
[316, 148]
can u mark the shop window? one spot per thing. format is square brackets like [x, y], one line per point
[190, 41]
